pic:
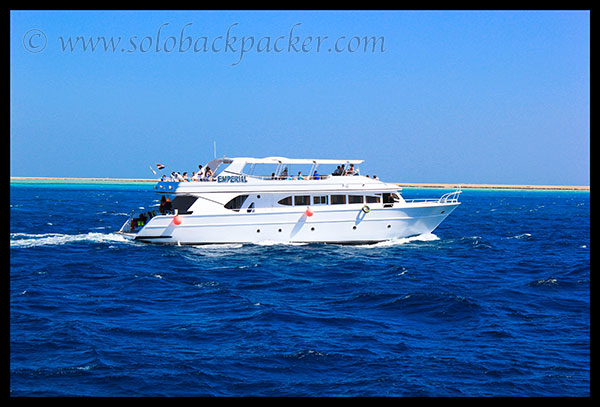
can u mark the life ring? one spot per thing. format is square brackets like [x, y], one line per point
[366, 209]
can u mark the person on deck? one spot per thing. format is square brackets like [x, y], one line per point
[161, 208]
[201, 173]
[209, 174]
[284, 173]
[168, 206]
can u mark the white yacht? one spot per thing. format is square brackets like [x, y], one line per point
[236, 206]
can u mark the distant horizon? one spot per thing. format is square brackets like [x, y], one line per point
[500, 97]
[403, 184]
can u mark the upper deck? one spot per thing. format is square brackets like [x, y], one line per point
[238, 175]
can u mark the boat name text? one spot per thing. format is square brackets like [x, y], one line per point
[232, 178]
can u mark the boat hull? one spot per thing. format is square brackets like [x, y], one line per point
[326, 225]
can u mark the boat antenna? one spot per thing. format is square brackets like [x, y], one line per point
[215, 149]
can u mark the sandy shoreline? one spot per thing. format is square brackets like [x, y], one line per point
[404, 185]
[498, 186]
[70, 179]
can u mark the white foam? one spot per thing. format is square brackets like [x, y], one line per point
[426, 237]
[22, 240]
[212, 250]
[276, 243]
[120, 214]
[521, 236]
[217, 246]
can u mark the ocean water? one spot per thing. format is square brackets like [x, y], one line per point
[496, 302]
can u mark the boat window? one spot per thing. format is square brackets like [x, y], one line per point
[320, 200]
[302, 200]
[338, 199]
[354, 199]
[390, 199]
[285, 201]
[182, 204]
[250, 208]
[372, 199]
[236, 203]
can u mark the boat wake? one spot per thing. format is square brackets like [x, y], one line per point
[25, 240]
[278, 243]
[425, 237]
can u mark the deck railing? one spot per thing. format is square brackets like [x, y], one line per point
[449, 197]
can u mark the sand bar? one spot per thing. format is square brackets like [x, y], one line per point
[498, 186]
[403, 185]
[81, 180]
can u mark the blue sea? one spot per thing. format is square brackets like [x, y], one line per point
[495, 302]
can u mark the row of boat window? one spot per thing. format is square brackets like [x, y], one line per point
[305, 200]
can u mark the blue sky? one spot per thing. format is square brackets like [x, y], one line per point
[452, 97]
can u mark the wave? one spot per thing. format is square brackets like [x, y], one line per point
[24, 240]
[425, 237]
[549, 282]
[476, 242]
[524, 236]
[278, 243]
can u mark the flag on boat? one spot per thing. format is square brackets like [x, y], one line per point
[159, 166]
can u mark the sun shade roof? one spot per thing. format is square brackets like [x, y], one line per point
[284, 160]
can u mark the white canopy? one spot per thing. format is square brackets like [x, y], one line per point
[238, 163]
[284, 160]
